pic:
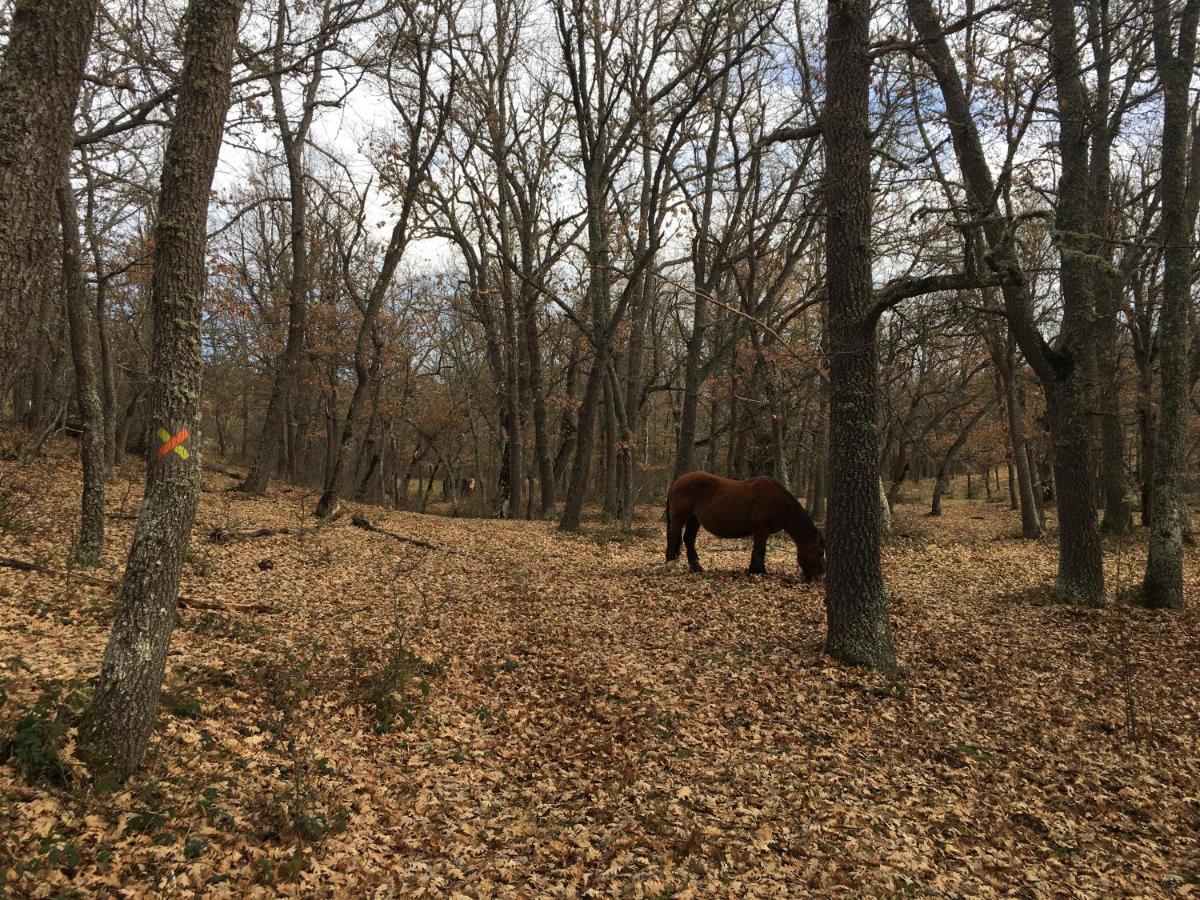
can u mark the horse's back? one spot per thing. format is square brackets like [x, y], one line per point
[692, 485]
[724, 506]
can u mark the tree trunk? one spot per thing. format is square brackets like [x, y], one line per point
[1031, 520]
[567, 428]
[820, 462]
[581, 461]
[40, 78]
[859, 631]
[1080, 565]
[541, 441]
[885, 512]
[117, 725]
[702, 277]
[939, 488]
[288, 363]
[610, 452]
[1147, 420]
[1163, 584]
[363, 370]
[599, 302]
[108, 381]
[1063, 371]
[1118, 516]
[513, 501]
[90, 546]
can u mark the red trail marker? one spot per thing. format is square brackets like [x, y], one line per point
[172, 443]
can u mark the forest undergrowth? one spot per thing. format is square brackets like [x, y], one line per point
[461, 707]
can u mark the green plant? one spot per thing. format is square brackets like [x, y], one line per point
[393, 691]
[185, 707]
[34, 742]
[303, 807]
[16, 495]
[397, 688]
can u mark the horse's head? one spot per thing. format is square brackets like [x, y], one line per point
[810, 557]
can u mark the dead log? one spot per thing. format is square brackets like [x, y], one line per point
[363, 522]
[220, 470]
[226, 535]
[192, 603]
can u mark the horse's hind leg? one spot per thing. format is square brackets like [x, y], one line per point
[674, 536]
[758, 556]
[689, 538]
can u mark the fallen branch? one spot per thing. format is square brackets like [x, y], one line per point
[225, 535]
[363, 522]
[9, 562]
[189, 603]
[228, 473]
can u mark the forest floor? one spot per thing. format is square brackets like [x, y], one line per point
[519, 713]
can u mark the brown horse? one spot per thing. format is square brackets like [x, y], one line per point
[757, 507]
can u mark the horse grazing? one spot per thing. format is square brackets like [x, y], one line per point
[757, 507]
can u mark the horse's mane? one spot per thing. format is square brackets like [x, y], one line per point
[798, 510]
[805, 518]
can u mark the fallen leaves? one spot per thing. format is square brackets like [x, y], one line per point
[590, 725]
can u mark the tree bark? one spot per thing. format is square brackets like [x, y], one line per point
[117, 725]
[108, 381]
[286, 366]
[1031, 521]
[40, 78]
[816, 498]
[1118, 515]
[90, 545]
[1063, 371]
[859, 630]
[541, 441]
[1163, 583]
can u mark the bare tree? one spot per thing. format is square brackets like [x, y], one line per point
[90, 545]
[616, 59]
[859, 629]
[422, 96]
[117, 725]
[1175, 58]
[293, 136]
[40, 78]
[1061, 368]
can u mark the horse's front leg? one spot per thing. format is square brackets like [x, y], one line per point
[758, 556]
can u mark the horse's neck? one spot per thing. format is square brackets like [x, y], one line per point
[796, 527]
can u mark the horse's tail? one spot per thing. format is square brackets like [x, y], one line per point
[667, 519]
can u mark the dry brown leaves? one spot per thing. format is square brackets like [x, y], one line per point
[597, 726]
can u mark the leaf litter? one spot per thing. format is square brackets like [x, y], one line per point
[492, 709]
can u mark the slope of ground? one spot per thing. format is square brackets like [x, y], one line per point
[518, 713]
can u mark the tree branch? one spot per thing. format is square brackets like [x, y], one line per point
[901, 289]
